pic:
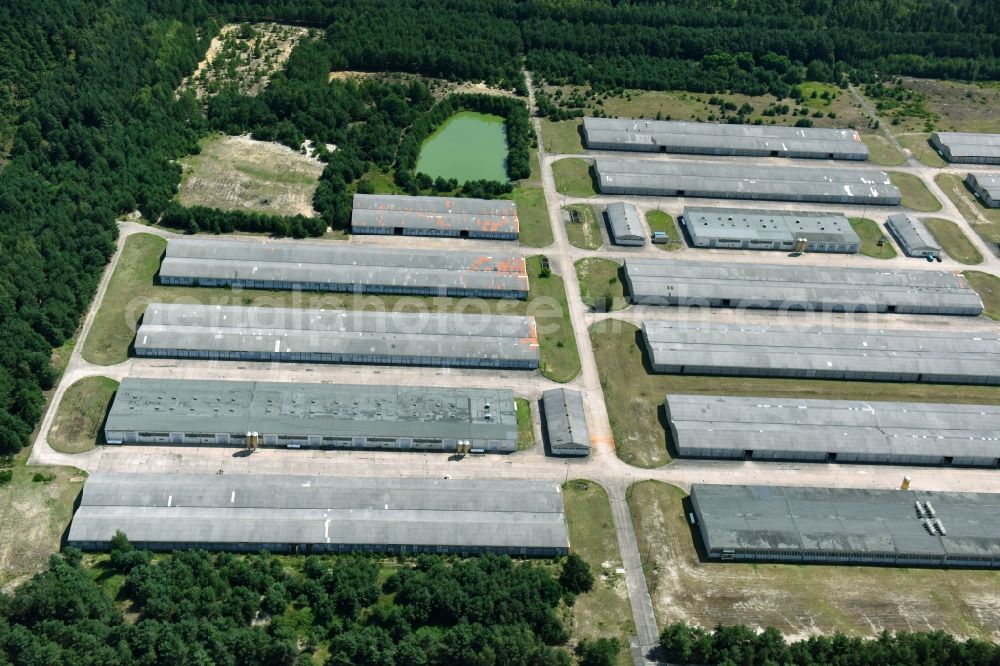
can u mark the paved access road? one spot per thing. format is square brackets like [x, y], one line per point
[603, 465]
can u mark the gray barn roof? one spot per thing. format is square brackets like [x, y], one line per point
[895, 429]
[341, 410]
[769, 225]
[741, 181]
[846, 520]
[968, 146]
[625, 221]
[912, 233]
[723, 139]
[342, 263]
[822, 351]
[989, 183]
[238, 509]
[414, 212]
[354, 332]
[784, 286]
[565, 420]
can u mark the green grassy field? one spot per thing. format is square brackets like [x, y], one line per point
[951, 239]
[634, 396]
[870, 232]
[525, 429]
[573, 177]
[132, 287]
[984, 221]
[533, 215]
[34, 515]
[881, 151]
[916, 196]
[585, 234]
[916, 143]
[601, 281]
[605, 610]
[562, 136]
[659, 220]
[988, 288]
[77, 424]
[798, 599]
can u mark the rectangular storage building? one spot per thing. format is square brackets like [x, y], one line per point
[967, 147]
[912, 236]
[666, 136]
[336, 416]
[834, 431]
[822, 352]
[986, 187]
[389, 214]
[625, 224]
[566, 422]
[809, 288]
[848, 526]
[321, 514]
[342, 267]
[741, 181]
[337, 336]
[749, 229]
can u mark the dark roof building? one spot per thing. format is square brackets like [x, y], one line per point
[321, 514]
[337, 416]
[670, 136]
[342, 267]
[566, 422]
[390, 214]
[848, 526]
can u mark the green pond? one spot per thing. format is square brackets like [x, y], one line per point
[467, 146]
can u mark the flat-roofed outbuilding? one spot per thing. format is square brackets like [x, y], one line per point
[821, 352]
[625, 224]
[834, 431]
[967, 147]
[342, 267]
[671, 136]
[913, 237]
[809, 288]
[321, 514]
[327, 416]
[402, 215]
[986, 186]
[566, 422]
[848, 526]
[741, 181]
[751, 229]
[337, 336]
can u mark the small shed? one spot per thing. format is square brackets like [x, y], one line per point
[625, 224]
[565, 422]
[912, 236]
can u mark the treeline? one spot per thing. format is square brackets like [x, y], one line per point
[193, 607]
[520, 137]
[97, 125]
[730, 646]
[195, 219]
